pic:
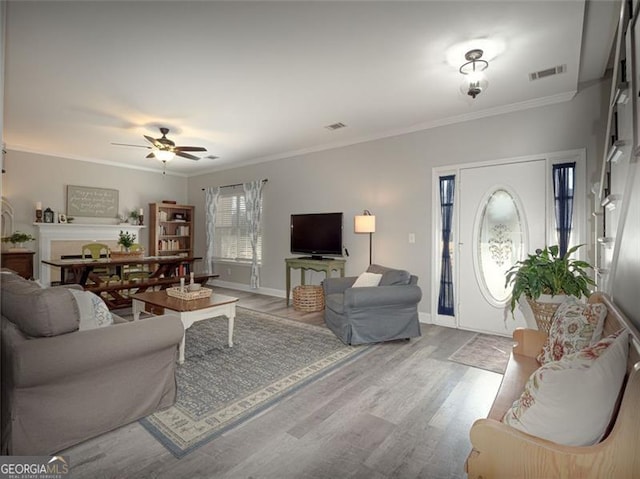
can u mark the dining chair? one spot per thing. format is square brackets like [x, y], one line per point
[133, 271]
[97, 251]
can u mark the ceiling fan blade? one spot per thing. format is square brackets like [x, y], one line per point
[126, 144]
[189, 148]
[186, 155]
[154, 142]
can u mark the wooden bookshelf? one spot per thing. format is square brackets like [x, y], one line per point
[170, 229]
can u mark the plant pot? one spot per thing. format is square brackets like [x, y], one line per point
[544, 308]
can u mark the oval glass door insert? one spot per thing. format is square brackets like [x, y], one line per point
[499, 244]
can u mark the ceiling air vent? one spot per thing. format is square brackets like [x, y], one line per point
[335, 126]
[548, 72]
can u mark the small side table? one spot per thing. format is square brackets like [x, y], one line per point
[326, 265]
[19, 261]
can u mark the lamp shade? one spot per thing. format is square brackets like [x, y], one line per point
[164, 155]
[365, 224]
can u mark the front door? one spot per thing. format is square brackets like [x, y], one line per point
[502, 218]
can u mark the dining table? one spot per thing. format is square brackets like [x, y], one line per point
[163, 272]
[80, 270]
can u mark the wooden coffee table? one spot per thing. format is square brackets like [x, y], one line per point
[188, 312]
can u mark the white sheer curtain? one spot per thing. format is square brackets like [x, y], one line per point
[253, 201]
[211, 206]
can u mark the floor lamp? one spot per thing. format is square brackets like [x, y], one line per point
[366, 223]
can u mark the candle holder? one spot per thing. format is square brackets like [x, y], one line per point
[141, 220]
[39, 216]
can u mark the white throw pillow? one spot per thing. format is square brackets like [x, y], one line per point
[93, 311]
[367, 279]
[575, 326]
[571, 401]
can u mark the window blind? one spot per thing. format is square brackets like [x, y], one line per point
[232, 229]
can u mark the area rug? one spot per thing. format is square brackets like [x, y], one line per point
[220, 387]
[485, 351]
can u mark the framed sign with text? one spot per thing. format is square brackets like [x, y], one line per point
[92, 202]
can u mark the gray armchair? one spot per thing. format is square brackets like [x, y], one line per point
[373, 314]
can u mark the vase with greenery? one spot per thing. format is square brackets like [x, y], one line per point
[18, 239]
[547, 273]
[134, 217]
[126, 239]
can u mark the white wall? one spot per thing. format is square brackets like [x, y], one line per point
[30, 178]
[392, 178]
[3, 22]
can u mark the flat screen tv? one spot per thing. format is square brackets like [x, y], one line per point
[317, 234]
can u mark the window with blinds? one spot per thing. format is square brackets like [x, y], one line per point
[232, 239]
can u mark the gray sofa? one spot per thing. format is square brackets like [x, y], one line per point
[372, 314]
[61, 385]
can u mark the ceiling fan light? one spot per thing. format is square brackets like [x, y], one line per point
[164, 155]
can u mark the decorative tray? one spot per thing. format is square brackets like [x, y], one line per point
[189, 295]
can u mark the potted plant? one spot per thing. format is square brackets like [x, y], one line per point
[134, 217]
[126, 239]
[18, 238]
[545, 273]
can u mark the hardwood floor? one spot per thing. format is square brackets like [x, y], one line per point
[402, 410]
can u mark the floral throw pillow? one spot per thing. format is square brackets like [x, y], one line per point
[571, 401]
[94, 313]
[575, 326]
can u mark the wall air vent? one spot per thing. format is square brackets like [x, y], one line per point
[548, 72]
[335, 126]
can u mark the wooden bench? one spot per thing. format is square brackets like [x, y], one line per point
[116, 293]
[502, 451]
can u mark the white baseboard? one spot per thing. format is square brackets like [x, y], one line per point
[446, 321]
[278, 293]
[245, 287]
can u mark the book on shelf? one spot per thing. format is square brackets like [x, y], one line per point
[169, 245]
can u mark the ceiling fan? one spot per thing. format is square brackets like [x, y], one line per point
[165, 149]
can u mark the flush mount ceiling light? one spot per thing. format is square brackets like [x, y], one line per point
[475, 81]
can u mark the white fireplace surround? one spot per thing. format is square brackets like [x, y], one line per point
[48, 232]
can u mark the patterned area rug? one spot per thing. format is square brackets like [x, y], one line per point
[220, 387]
[485, 351]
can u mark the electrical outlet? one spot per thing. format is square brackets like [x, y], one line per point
[412, 238]
[228, 271]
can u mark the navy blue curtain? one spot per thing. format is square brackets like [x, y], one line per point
[445, 298]
[563, 189]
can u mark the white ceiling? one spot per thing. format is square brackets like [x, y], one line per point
[255, 81]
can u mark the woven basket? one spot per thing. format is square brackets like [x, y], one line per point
[308, 298]
[189, 295]
[543, 313]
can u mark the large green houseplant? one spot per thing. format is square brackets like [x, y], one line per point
[547, 273]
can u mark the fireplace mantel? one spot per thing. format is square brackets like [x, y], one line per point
[48, 232]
